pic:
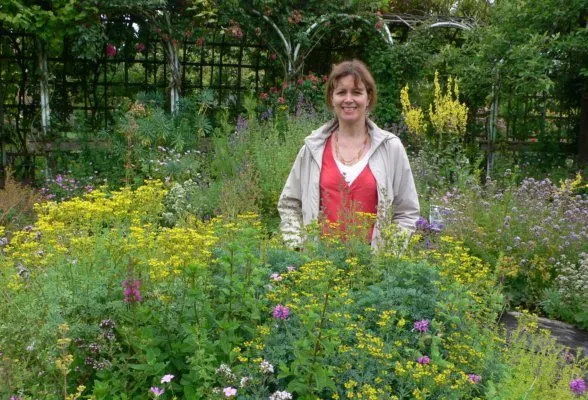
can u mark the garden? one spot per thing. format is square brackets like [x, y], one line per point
[145, 145]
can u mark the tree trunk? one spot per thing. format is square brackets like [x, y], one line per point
[175, 75]
[43, 86]
[583, 134]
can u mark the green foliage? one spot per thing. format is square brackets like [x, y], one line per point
[49, 21]
[241, 173]
[536, 366]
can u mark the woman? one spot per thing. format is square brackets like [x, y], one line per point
[348, 165]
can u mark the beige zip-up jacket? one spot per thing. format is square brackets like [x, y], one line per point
[299, 203]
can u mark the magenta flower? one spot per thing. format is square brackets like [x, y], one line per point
[424, 360]
[578, 386]
[167, 378]
[422, 325]
[140, 47]
[229, 392]
[281, 312]
[157, 391]
[474, 378]
[110, 50]
[131, 292]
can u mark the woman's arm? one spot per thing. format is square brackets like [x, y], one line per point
[290, 205]
[406, 207]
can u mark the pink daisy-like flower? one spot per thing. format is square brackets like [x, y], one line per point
[167, 378]
[157, 391]
[474, 378]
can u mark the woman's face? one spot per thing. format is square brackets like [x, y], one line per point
[350, 101]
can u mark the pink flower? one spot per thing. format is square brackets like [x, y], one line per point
[276, 277]
[200, 41]
[167, 378]
[291, 268]
[424, 360]
[140, 47]
[273, 56]
[281, 100]
[422, 325]
[131, 291]
[110, 50]
[157, 391]
[281, 312]
[229, 392]
[474, 378]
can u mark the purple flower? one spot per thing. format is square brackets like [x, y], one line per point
[131, 292]
[229, 392]
[424, 360]
[281, 312]
[157, 391]
[167, 378]
[578, 386]
[474, 378]
[422, 325]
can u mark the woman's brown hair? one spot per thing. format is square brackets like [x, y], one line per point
[359, 71]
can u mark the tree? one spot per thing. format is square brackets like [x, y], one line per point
[528, 50]
[294, 28]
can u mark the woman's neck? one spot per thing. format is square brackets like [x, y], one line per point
[357, 129]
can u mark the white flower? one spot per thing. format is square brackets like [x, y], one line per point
[245, 381]
[266, 367]
[280, 396]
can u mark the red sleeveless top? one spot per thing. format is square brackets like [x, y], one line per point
[348, 209]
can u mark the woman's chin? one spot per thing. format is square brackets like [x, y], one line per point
[350, 118]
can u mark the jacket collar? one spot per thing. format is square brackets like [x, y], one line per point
[315, 142]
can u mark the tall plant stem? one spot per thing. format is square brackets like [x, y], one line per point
[317, 344]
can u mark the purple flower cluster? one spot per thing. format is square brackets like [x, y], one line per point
[421, 326]
[131, 291]
[63, 187]
[281, 312]
[578, 386]
[423, 225]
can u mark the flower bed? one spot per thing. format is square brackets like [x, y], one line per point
[102, 301]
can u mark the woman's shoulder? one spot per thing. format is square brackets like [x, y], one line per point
[386, 138]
